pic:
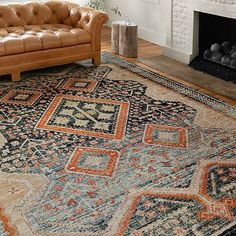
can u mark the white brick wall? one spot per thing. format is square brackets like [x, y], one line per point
[180, 14]
[180, 44]
[224, 1]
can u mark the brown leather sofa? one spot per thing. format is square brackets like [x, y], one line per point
[41, 34]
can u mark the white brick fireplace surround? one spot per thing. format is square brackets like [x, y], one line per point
[182, 24]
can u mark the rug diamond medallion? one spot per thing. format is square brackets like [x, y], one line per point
[101, 118]
[81, 85]
[93, 161]
[21, 97]
[168, 136]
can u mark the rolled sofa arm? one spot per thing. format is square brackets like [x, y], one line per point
[90, 18]
[92, 21]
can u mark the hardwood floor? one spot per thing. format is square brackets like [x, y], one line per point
[170, 68]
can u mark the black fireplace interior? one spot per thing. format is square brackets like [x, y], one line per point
[213, 32]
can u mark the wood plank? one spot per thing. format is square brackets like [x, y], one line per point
[115, 37]
[128, 40]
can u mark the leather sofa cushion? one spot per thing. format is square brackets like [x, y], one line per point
[37, 37]
[39, 13]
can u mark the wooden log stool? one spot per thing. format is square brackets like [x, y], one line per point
[124, 38]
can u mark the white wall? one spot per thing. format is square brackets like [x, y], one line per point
[82, 2]
[149, 15]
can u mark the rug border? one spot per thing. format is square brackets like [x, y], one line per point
[163, 80]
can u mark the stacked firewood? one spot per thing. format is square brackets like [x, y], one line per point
[224, 54]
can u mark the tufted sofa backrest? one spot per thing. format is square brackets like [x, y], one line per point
[38, 13]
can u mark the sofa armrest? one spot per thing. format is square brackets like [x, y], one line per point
[92, 21]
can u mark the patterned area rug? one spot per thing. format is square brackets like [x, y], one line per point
[114, 150]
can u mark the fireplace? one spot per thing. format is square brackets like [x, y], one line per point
[183, 42]
[217, 46]
[215, 29]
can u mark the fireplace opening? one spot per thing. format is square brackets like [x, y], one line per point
[217, 47]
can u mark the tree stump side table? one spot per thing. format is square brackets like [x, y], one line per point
[124, 38]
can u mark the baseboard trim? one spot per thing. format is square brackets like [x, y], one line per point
[151, 36]
[177, 55]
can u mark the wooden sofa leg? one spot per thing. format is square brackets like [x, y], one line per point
[15, 76]
[96, 60]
